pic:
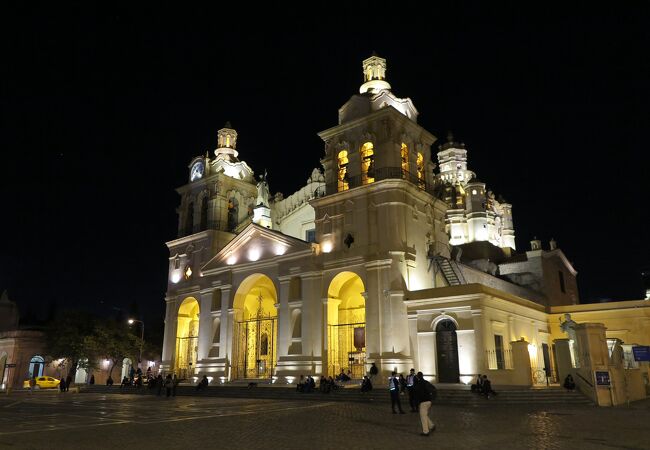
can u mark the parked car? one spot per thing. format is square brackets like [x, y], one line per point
[43, 383]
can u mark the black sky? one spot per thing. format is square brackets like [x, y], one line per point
[102, 110]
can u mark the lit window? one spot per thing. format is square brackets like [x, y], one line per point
[343, 183]
[188, 272]
[367, 163]
[473, 191]
[420, 166]
[405, 160]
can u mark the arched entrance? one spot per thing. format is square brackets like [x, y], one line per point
[36, 366]
[346, 325]
[187, 337]
[255, 328]
[126, 368]
[447, 348]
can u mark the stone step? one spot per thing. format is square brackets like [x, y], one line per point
[461, 397]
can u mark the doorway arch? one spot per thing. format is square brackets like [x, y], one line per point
[447, 352]
[346, 325]
[187, 337]
[255, 328]
[126, 368]
[36, 366]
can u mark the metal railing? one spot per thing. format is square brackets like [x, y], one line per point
[382, 173]
[499, 359]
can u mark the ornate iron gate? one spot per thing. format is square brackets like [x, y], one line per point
[347, 349]
[254, 347]
[186, 349]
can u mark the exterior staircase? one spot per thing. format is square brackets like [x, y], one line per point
[450, 270]
[457, 396]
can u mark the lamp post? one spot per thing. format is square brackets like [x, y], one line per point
[131, 321]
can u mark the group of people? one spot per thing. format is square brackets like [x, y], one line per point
[483, 386]
[421, 394]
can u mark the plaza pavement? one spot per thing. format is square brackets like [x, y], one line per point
[46, 420]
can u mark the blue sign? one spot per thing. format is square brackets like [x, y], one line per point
[602, 378]
[641, 353]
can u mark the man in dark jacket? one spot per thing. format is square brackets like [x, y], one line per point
[424, 394]
[393, 385]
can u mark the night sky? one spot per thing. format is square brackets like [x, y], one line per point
[102, 111]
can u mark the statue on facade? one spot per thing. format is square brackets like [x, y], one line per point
[263, 191]
[568, 326]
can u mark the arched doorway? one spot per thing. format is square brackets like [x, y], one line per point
[187, 337]
[346, 325]
[255, 328]
[126, 368]
[36, 366]
[447, 348]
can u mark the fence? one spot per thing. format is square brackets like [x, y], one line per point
[499, 359]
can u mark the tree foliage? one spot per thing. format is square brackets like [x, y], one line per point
[83, 340]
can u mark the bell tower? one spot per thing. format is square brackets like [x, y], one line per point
[374, 75]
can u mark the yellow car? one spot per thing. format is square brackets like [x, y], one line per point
[43, 383]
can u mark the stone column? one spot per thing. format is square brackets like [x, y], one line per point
[205, 325]
[284, 317]
[169, 340]
[479, 343]
[594, 356]
[226, 322]
[522, 374]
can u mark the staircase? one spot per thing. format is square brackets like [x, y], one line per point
[447, 396]
[450, 270]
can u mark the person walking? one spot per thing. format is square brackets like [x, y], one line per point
[424, 393]
[373, 371]
[410, 381]
[393, 386]
[169, 385]
[62, 385]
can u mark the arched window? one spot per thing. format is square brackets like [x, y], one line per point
[343, 182]
[420, 165]
[367, 163]
[233, 214]
[204, 213]
[189, 218]
[405, 160]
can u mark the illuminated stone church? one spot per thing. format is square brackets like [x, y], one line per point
[394, 254]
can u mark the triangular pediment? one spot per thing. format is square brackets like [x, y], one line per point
[256, 244]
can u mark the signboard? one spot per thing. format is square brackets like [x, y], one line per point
[602, 378]
[641, 352]
[10, 364]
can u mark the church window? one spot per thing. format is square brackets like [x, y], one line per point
[420, 167]
[177, 263]
[367, 163]
[405, 160]
[473, 191]
[188, 272]
[310, 235]
[227, 141]
[343, 182]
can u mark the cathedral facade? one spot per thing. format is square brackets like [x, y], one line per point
[393, 254]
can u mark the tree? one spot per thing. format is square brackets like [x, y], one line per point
[66, 338]
[113, 341]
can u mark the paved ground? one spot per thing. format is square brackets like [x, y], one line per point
[96, 421]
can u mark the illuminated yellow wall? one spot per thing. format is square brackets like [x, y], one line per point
[628, 321]
[345, 305]
[257, 343]
[187, 327]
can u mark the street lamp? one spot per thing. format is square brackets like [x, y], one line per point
[131, 321]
